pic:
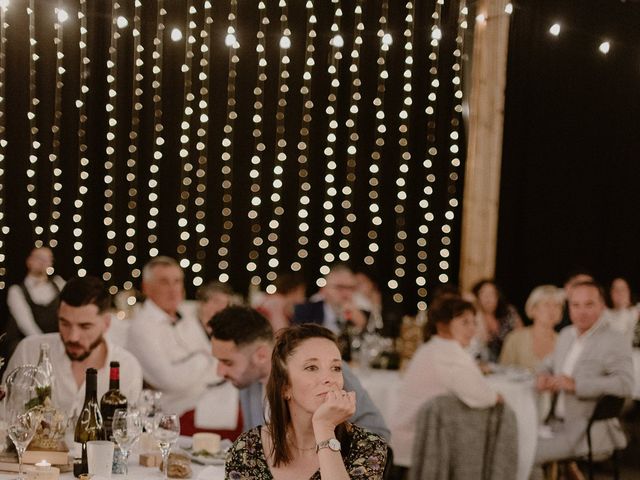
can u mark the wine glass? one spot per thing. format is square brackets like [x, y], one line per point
[126, 428]
[22, 428]
[148, 405]
[166, 432]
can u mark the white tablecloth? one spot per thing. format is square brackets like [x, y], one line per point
[636, 373]
[519, 395]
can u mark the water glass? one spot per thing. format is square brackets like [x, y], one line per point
[126, 428]
[166, 432]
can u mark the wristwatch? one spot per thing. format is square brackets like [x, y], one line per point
[332, 444]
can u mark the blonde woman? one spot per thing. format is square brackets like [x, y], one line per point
[527, 347]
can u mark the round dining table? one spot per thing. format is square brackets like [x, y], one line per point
[516, 388]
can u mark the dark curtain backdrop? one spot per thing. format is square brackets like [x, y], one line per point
[448, 180]
[570, 193]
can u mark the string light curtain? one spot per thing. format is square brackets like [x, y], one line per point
[246, 142]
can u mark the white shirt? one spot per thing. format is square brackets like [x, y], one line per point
[41, 292]
[571, 360]
[331, 319]
[176, 359]
[67, 396]
[623, 320]
[439, 367]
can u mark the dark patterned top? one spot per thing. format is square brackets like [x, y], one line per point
[365, 461]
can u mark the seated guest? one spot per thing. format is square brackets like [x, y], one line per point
[496, 318]
[278, 307]
[307, 434]
[622, 314]
[212, 298]
[33, 303]
[83, 320]
[170, 347]
[590, 360]
[527, 347]
[242, 341]
[575, 276]
[337, 308]
[441, 366]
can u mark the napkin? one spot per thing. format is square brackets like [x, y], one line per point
[211, 473]
[218, 408]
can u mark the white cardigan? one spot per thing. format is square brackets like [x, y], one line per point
[439, 367]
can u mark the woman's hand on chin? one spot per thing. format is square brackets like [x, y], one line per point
[338, 407]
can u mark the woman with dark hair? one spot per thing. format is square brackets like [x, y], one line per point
[622, 314]
[441, 366]
[496, 318]
[307, 435]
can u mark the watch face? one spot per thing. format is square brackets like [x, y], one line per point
[334, 445]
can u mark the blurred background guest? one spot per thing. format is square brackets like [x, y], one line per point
[212, 297]
[495, 319]
[337, 308]
[440, 366]
[622, 312]
[527, 347]
[577, 275]
[33, 303]
[278, 307]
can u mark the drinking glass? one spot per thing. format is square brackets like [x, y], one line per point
[22, 428]
[166, 432]
[148, 405]
[126, 428]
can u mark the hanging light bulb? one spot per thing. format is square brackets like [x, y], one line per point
[555, 29]
[122, 22]
[604, 47]
[176, 35]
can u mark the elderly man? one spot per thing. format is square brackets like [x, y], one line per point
[590, 360]
[83, 320]
[337, 307]
[242, 341]
[169, 346]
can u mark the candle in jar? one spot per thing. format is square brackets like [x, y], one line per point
[43, 466]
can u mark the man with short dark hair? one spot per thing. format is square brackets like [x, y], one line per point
[590, 360]
[242, 341]
[83, 320]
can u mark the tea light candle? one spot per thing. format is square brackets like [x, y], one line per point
[43, 466]
[44, 471]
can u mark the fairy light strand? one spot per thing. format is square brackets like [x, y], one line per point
[34, 144]
[337, 42]
[404, 163]
[375, 217]
[153, 184]
[54, 157]
[426, 213]
[304, 185]
[346, 231]
[200, 195]
[4, 228]
[255, 173]
[227, 144]
[186, 169]
[280, 149]
[455, 163]
[110, 163]
[83, 170]
[131, 219]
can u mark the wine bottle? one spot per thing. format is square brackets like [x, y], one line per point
[113, 399]
[89, 426]
[46, 367]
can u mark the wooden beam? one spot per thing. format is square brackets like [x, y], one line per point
[484, 153]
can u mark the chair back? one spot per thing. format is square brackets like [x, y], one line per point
[608, 406]
[457, 442]
[387, 473]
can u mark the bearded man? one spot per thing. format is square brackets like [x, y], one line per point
[83, 320]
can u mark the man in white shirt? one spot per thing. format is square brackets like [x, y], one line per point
[83, 320]
[169, 345]
[590, 360]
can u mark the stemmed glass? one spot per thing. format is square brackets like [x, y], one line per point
[166, 432]
[22, 428]
[126, 428]
[148, 405]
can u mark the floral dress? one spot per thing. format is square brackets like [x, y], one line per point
[365, 461]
